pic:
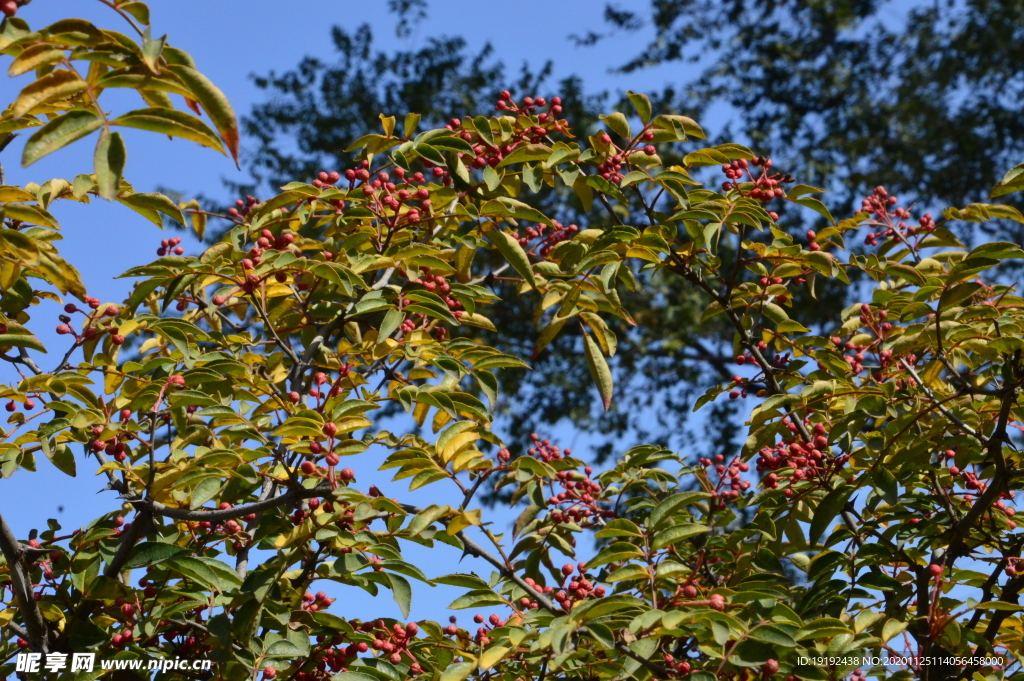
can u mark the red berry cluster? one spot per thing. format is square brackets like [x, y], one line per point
[970, 480]
[682, 666]
[169, 246]
[28, 405]
[581, 494]
[315, 602]
[766, 187]
[875, 322]
[266, 240]
[394, 641]
[93, 322]
[486, 153]
[113, 447]
[242, 208]
[614, 164]
[435, 283]
[544, 450]
[575, 589]
[388, 192]
[550, 236]
[730, 482]
[333, 658]
[531, 106]
[812, 461]
[229, 530]
[890, 219]
[481, 633]
[748, 358]
[262, 241]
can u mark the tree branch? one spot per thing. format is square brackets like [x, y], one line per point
[38, 636]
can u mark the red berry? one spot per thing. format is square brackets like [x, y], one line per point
[347, 474]
[9, 8]
[308, 467]
[269, 672]
[935, 570]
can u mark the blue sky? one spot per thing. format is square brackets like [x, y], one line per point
[230, 41]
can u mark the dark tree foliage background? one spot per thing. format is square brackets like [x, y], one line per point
[922, 97]
[926, 96]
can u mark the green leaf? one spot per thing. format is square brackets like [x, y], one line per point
[599, 370]
[29, 213]
[767, 633]
[677, 533]
[817, 206]
[892, 628]
[886, 485]
[477, 598]
[56, 85]
[58, 133]
[411, 121]
[20, 340]
[216, 105]
[171, 122]
[61, 457]
[616, 553]
[642, 104]
[463, 580]
[151, 49]
[1012, 182]
[509, 247]
[151, 205]
[493, 656]
[522, 211]
[153, 552]
[194, 569]
[139, 10]
[428, 516]
[109, 161]
[775, 313]
[1000, 605]
[617, 123]
[402, 592]
[824, 628]
[664, 512]
[458, 672]
[619, 527]
[392, 320]
[34, 57]
[827, 510]
[605, 606]
[206, 489]
[525, 153]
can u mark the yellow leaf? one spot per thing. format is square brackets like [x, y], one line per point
[457, 444]
[493, 655]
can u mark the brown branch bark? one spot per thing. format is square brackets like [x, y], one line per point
[38, 634]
